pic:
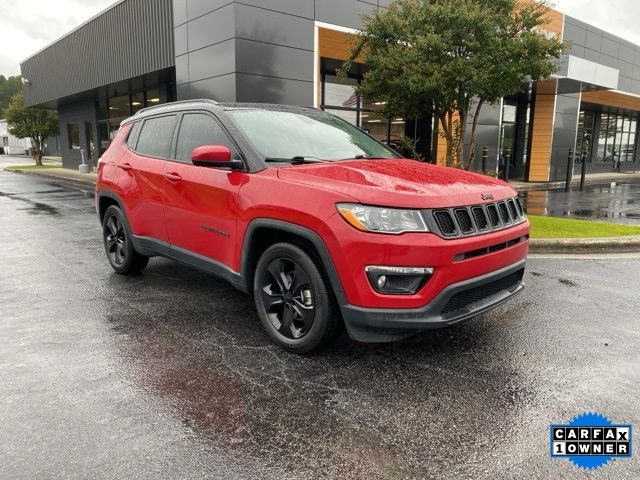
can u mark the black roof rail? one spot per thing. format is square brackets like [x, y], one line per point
[195, 100]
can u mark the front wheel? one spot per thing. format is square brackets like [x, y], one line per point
[293, 299]
[118, 244]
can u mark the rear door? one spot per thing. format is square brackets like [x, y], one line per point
[145, 164]
[200, 202]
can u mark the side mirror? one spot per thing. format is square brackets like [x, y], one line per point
[214, 156]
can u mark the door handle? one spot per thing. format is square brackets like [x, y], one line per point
[125, 166]
[173, 177]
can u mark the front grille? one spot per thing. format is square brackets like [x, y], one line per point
[460, 303]
[481, 219]
[519, 205]
[464, 220]
[504, 213]
[475, 219]
[487, 250]
[493, 216]
[513, 211]
[445, 222]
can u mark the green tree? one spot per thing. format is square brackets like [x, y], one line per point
[34, 123]
[450, 57]
[8, 88]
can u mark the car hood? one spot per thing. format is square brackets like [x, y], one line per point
[400, 183]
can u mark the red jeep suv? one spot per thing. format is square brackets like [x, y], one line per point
[317, 220]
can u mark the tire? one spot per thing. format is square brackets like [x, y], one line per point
[118, 243]
[294, 300]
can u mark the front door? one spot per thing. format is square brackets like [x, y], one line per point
[200, 202]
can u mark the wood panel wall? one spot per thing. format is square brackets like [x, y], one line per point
[334, 44]
[542, 134]
[612, 99]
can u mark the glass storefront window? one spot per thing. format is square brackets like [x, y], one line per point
[74, 136]
[616, 138]
[350, 116]
[137, 102]
[153, 97]
[119, 107]
[340, 92]
[376, 124]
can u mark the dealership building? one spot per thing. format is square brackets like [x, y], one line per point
[140, 53]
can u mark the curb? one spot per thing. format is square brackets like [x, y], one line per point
[629, 244]
[88, 184]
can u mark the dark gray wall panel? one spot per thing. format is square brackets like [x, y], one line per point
[110, 48]
[273, 27]
[273, 60]
[575, 34]
[181, 42]
[488, 135]
[212, 61]
[594, 41]
[564, 133]
[179, 12]
[342, 12]
[182, 69]
[79, 112]
[221, 89]
[301, 8]
[610, 46]
[625, 68]
[196, 8]
[256, 88]
[211, 28]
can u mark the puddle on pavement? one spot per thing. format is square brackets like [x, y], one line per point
[35, 208]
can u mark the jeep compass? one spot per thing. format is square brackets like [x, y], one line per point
[317, 220]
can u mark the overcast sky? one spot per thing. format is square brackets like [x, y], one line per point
[28, 25]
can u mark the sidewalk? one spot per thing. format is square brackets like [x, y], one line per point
[591, 178]
[66, 175]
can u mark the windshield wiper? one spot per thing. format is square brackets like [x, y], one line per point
[370, 157]
[297, 160]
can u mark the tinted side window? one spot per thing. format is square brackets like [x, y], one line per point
[156, 136]
[197, 130]
[133, 135]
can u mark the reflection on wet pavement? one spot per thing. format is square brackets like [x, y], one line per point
[33, 206]
[615, 201]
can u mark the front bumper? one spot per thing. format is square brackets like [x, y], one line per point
[454, 304]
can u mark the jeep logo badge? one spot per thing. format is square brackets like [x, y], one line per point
[487, 196]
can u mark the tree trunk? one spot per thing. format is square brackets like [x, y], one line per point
[460, 133]
[447, 133]
[474, 135]
[37, 151]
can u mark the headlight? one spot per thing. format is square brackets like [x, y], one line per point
[381, 219]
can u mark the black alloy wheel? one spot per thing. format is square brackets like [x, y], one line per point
[115, 240]
[294, 300]
[118, 244]
[288, 298]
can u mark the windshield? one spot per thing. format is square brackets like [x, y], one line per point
[307, 135]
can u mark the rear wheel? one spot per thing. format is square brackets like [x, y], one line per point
[118, 244]
[293, 299]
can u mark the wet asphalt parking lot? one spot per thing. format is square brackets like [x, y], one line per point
[169, 374]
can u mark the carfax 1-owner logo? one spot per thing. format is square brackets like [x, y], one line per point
[590, 441]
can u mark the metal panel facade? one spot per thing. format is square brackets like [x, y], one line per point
[132, 38]
[268, 46]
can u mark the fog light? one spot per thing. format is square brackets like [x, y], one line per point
[398, 280]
